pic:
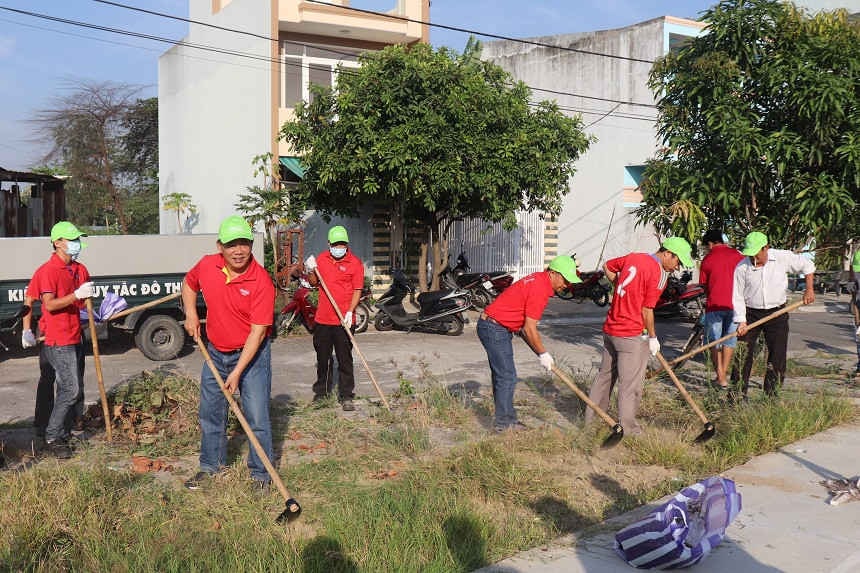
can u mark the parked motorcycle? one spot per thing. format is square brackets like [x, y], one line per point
[484, 287]
[303, 308]
[440, 311]
[681, 299]
[594, 286]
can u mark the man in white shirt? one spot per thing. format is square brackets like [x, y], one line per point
[761, 282]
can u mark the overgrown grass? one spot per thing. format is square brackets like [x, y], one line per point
[423, 488]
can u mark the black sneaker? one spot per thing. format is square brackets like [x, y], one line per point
[197, 482]
[347, 405]
[59, 449]
[515, 427]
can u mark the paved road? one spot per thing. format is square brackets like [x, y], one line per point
[571, 331]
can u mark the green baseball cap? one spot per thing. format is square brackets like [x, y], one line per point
[681, 248]
[855, 262]
[65, 230]
[337, 235]
[753, 243]
[234, 227]
[566, 267]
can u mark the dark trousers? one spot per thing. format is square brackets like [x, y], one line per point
[44, 392]
[776, 342]
[329, 337]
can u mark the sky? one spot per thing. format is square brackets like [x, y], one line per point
[40, 59]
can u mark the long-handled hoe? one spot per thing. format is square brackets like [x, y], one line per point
[354, 344]
[617, 432]
[98, 362]
[710, 429]
[293, 509]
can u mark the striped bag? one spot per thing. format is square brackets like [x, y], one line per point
[684, 529]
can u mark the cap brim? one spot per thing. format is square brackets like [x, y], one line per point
[686, 260]
[752, 251]
[574, 280]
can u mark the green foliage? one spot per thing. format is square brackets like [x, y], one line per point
[760, 117]
[435, 135]
[183, 205]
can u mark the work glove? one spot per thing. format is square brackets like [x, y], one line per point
[310, 264]
[546, 361]
[347, 319]
[654, 346]
[28, 339]
[86, 290]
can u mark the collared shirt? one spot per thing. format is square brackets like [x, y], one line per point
[639, 281]
[343, 277]
[233, 304]
[765, 286]
[61, 327]
[717, 273]
[526, 298]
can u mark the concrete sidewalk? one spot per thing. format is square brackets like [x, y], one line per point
[785, 525]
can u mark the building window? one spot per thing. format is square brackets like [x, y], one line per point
[632, 178]
[303, 65]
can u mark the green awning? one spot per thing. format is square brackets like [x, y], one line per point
[294, 165]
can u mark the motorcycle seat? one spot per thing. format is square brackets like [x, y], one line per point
[428, 298]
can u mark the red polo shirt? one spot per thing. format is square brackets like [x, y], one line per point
[717, 273]
[639, 281]
[525, 298]
[232, 305]
[342, 277]
[61, 327]
[34, 294]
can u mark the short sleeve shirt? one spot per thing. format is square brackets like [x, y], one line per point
[343, 277]
[232, 304]
[639, 281]
[717, 273]
[61, 327]
[34, 294]
[527, 297]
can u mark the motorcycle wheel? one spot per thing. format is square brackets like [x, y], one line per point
[285, 323]
[383, 322]
[362, 317]
[600, 296]
[454, 326]
[481, 298]
[692, 309]
[566, 294]
[696, 339]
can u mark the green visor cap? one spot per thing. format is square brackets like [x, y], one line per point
[855, 262]
[681, 248]
[754, 243]
[337, 235]
[234, 227]
[566, 267]
[65, 230]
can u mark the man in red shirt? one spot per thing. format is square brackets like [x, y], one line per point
[240, 308]
[717, 274]
[343, 274]
[519, 308]
[62, 284]
[639, 278]
[45, 387]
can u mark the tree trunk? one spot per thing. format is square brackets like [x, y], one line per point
[422, 265]
[437, 259]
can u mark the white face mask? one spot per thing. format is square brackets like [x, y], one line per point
[337, 252]
[73, 248]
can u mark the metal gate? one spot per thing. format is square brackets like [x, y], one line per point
[489, 247]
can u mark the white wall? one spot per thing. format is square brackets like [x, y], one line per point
[214, 112]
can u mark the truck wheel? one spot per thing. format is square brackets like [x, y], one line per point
[160, 337]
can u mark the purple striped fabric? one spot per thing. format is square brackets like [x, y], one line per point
[684, 529]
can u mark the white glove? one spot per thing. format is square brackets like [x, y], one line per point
[86, 290]
[546, 361]
[654, 346]
[347, 319]
[310, 264]
[28, 339]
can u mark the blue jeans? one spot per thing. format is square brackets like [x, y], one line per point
[67, 362]
[255, 387]
[719, 323]
[500, 353]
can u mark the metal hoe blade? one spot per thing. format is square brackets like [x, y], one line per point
[291, 513]
[706, 434]
[614, 438]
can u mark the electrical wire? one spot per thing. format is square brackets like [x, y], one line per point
[271, 39]
[487, 34]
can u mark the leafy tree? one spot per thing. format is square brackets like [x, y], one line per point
[761, 119]
[106, 140]
[272, 204]
[437, 136]
[182, 205]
